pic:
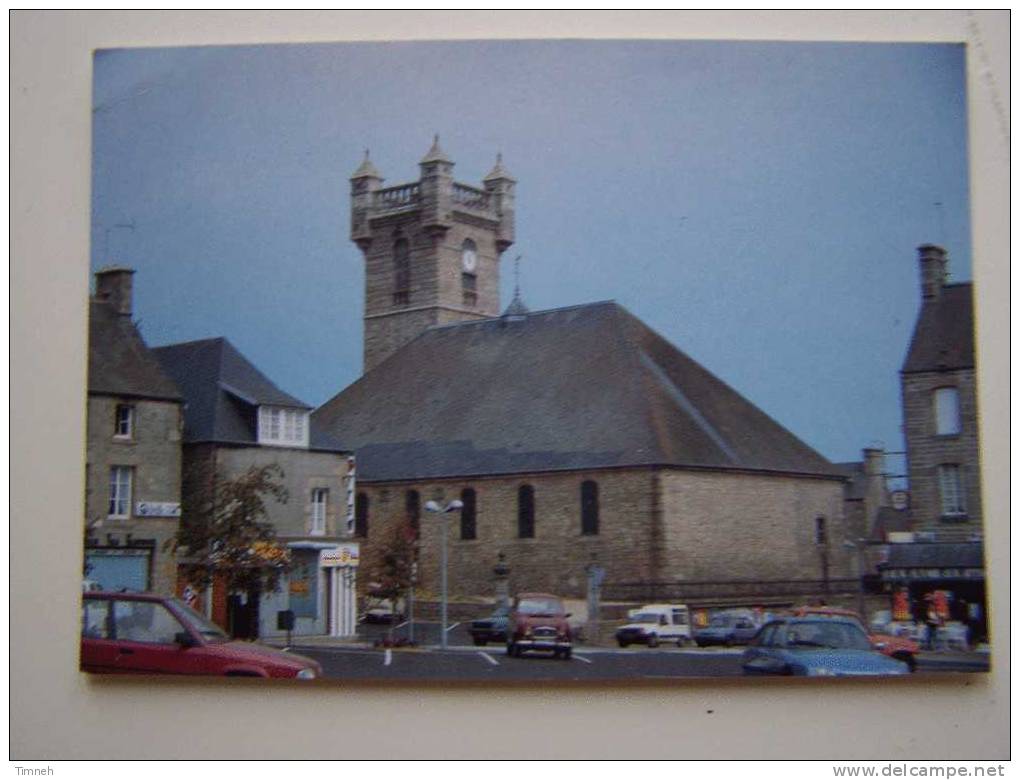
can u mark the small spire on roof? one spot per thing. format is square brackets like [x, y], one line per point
[516, 310]
[498, 171]
[435, 154]
[366, 169]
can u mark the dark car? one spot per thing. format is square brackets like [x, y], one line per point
[145, 633]
[726, 629]
[491, 628]
[816, 646]
[538, 621]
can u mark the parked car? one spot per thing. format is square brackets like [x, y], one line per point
[655, 623]
[491, 628]
[902, 648]
[382, 611]
[728, 629]
[816, 645]
[538, 621]
[145, 633]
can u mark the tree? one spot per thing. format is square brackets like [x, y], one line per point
[393, 576]
[225, 534]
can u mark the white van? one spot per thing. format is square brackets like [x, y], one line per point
[655, 623]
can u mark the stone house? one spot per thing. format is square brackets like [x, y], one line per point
[940, 423]
[572, 436]
[133, 449]
[236, 418]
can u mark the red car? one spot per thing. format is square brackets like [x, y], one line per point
[144, 633]
[899, 647]
[538, 621]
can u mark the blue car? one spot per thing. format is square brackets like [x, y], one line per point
[816, 647]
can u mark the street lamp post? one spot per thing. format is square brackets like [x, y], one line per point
[432, 506]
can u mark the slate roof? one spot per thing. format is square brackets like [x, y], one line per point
[120, 363]
[223, 391]
[575, 388]
[944, 334]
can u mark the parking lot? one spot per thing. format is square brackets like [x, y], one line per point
[462, 661]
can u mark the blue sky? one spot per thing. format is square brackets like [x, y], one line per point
[759, 204]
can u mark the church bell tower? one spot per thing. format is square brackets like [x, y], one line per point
[431, 248]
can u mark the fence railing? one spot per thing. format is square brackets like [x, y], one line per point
[726, 590]
[472, 197]
[396, 197]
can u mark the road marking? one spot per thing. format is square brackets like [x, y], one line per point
[488, 658]
[582, 658]
[401, 625]
[450, 628]
[388, 658]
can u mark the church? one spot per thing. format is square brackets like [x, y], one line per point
[573, 436]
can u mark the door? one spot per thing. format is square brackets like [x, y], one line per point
[98, 649]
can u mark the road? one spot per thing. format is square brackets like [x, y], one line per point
[464, 662]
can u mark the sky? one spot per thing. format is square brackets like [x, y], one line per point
[758, 204]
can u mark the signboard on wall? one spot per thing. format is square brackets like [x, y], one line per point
[158, 509]
[341, 555]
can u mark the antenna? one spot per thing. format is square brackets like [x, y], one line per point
[942, 223]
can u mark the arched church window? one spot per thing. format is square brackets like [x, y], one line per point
[467, 514]
[361, 515]
[412, 504]
[525, 512]
[589, 508]
[401, 271]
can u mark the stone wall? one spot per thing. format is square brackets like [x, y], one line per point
[153, 451]
[926, 451]
[735, 526]
[654, 526]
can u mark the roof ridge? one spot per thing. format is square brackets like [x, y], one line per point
[529, 315]
[191, 343]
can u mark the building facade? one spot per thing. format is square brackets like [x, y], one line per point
[940, 423]
[133, 450]
[235, 420]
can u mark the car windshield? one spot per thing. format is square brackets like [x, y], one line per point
[209, 630]
[722, 621]
[536, 605]
[829, 634]
[645, 617]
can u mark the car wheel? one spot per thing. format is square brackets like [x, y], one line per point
[682, 641]
[509, 649]
[908, 659]
[653, 641]
[479, 641]
[566, 654]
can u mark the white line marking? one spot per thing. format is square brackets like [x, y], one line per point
[488, 658]
[401, 625]
[450, 628]
[581, 658]
[388, 658]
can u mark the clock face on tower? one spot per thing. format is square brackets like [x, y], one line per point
[469, 256]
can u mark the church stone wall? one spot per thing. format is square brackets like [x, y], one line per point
[719, 526]
[553, 561]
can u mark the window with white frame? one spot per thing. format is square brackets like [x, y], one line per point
[320, 497]
[124, 421]
[120, 491]
[947, 411]
[951, 490]
[281, 426]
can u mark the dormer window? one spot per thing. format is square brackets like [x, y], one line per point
[283, 427]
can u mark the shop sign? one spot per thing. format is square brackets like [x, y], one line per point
[950, 573]
[341, 555]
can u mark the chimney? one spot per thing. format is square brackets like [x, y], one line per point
[113, 286]
[874, 461]
[933, 270]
